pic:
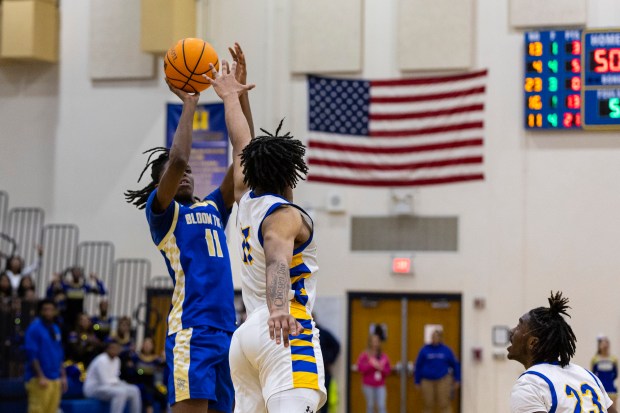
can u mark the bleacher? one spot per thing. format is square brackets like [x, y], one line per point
[126, 281]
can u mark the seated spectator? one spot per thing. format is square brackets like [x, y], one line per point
[103, 381]
[124, 337]
[56, 292]
[26, 288]
[15, 268]
[75, 288]
[6, 291]
[147, 374]
[45, 374]
[102, 323]
[82, 343]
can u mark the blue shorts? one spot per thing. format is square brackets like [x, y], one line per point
[197, 360]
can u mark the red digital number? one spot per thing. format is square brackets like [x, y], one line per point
[575, 83]
[578, 120]
[575, 65]
[568, 120]
[573, 101]
[607, 62]
[576, 47]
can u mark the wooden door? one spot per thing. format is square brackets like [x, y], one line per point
[366, 311]
[425, 312]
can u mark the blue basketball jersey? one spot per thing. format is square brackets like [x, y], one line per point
[192, 241]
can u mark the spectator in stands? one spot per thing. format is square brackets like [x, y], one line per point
[56, 292]
[124, 337]
[6, 291]
[103, 381]
[75, 288]
[102, 323]
[147, 374]
[45, 374]
[15, 268]
[26, 289]
[82, 343]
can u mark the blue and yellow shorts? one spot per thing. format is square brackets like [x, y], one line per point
[197, 360]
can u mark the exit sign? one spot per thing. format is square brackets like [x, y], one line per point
[401, 265]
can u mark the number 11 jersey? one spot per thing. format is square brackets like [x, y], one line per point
[192, 241]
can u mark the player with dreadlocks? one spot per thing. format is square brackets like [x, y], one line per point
[190, 235]
[278, 273]
[544, 343]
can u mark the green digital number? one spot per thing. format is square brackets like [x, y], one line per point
[614, 108]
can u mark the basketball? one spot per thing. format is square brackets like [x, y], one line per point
[187, 61]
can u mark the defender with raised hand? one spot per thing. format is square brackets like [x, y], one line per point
[275, 356]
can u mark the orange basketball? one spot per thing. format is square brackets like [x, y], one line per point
[185, 63]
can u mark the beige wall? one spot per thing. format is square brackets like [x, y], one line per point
[546, 217]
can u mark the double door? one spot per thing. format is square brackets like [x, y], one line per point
[407, 320]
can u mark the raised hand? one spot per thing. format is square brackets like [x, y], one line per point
[224, 82]
[238, 57]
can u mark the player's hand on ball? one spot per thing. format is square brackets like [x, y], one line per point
[225, 84]
[281, 324]
[184, 96]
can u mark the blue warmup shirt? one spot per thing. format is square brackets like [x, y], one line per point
[192, 241]
[606, 369]
[434, 362]
[44, 343]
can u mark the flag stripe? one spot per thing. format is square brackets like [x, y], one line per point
[395, 167]
[425, 123]
[398, 182]
[396, 149]
[394, 158]
[403, 175]
[425, 97]
[426, 89]
[425, 131]
[426, 114]
[429, 80]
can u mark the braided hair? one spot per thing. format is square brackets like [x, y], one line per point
[556, 340]
[273, 163]
[140, 196]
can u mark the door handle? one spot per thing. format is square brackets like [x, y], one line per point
[410, 368]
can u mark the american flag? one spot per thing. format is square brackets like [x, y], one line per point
[406, 132]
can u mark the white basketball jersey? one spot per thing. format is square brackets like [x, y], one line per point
[253, 209]
[550, 388]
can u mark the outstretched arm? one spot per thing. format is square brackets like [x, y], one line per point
[279, 232]
[179, 152]
[241, 74]
[229, 89]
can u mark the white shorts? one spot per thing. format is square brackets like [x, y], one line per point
[260, 368]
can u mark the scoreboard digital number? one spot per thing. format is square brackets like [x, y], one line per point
[601, 79]
[572, 79]
[553, 79]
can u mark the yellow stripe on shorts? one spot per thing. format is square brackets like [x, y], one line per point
[181, 360]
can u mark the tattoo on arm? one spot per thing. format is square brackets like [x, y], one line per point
[277, 288]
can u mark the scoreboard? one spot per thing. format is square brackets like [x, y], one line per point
[572, 80]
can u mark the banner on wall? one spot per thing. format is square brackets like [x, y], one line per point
[209, 156]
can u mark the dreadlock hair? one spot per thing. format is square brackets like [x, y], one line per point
[273, 162]
[139, 197]
[556, 340]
